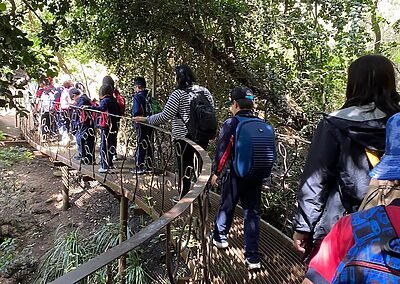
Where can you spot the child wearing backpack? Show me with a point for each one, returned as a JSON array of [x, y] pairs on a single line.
[[140, 107], [364, 247], [84, 124], [108, 80], [244, 156], [109, 125], [189, 103]]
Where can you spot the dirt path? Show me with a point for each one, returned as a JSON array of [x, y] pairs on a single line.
[[30, 208], [7, 124]]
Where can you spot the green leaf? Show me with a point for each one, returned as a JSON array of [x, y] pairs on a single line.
[[3, 7]]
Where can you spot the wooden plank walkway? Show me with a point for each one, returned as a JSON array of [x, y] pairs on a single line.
[[280, 264]]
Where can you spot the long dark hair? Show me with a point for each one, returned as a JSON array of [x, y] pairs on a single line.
[[371, 78], [105, 90], [108, 80], [184, 77]]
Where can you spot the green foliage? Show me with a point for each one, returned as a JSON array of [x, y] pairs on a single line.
[[12, 155], [66, 255], [2, 137], [71, 250], [20, 57], [7, 250]]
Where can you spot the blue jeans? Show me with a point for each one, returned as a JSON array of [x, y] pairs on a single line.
[[249, 194], [85, 136], [144, 154], [107, 147]]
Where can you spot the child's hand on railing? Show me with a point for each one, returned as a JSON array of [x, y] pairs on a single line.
[[139, 119]]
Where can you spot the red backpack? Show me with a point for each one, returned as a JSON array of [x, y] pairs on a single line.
[[121, 102]]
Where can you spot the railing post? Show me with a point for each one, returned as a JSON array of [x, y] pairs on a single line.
[[203, 200], [65, 188], [168, 255], [123, 217]]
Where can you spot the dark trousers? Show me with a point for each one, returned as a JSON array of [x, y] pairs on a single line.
[[63, 122], [45, 125], [85, 137], [185, 155], [249, 194], [107, 147], [144, 154]]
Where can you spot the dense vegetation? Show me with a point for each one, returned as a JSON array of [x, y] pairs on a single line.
[[292, 53]]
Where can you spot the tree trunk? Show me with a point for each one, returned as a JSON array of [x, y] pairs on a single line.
[[375, 27], [286, 108]]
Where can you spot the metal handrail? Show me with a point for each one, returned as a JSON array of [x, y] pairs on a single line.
[[146, 233]]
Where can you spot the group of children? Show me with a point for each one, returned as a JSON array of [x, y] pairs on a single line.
[[67, 110], [52, 109], [245, 152]]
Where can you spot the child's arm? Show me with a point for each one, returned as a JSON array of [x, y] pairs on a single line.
[[224, 146]]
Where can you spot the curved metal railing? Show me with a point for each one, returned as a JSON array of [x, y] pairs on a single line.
[[186, 223], [152, 191]]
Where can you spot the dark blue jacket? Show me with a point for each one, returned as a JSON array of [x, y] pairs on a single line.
[[139, 103], [84, 116], [225, 150], [108, 105], [79, 117]]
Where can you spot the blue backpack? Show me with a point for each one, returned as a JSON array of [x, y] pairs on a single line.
[[375, 256], [254, 148]]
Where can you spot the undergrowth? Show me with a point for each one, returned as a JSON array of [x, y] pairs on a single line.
[[71, 250], [7, 250], [10, 156]]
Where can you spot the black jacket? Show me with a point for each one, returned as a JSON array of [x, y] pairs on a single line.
[[335, 177]]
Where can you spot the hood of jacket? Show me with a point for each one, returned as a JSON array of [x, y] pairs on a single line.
[[365, 125]]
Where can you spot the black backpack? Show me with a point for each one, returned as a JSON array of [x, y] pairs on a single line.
[[202, 125]]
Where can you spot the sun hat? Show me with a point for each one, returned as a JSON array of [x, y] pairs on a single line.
[[388, 167]]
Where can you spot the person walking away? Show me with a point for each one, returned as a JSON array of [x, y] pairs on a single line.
[[180, 109], [64, 117], [44, 107], [108, 80], [364, 247], [144, 151], [108, 124], [335, 177], [85, 134], [241, 165]]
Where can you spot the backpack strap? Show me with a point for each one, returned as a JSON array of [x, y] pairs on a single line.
[[179, 115]]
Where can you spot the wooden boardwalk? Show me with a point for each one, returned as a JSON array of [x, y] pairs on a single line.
[[280, 264]]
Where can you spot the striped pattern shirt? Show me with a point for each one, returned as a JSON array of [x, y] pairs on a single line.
[[179, 103]]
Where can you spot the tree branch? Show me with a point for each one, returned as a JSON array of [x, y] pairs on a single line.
[[287, 109]]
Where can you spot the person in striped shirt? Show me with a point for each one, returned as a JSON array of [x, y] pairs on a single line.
[[177, 110]]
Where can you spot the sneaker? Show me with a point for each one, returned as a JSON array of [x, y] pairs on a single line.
[[175, 199], [222, 244], [252, 265], [101, 170], [137, 171], [77, 157], [65, 143]]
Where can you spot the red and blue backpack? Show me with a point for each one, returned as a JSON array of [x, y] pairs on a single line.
[[375, 256], [254, 145]]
